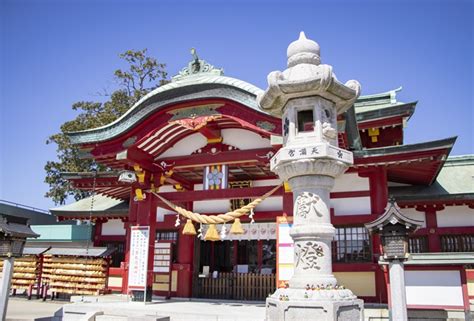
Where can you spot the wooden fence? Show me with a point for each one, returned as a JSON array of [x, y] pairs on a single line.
[[237, 286]]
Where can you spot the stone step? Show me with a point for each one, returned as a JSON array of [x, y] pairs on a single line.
[[110, 317]]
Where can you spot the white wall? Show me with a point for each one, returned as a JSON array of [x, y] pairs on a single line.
[[113, 227], [161, 212], [455, 216], [266, 182], [351, 182], [166, 189], [271, 204], [351, 206], [244, 139], [434, 288], [414, 214], [211, 206], [186, 146]]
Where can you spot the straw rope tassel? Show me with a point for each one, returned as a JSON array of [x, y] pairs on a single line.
[[221, 218], [189, 228], [211, 234], [236, 227]]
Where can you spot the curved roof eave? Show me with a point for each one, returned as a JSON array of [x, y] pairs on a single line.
[[185, 89]]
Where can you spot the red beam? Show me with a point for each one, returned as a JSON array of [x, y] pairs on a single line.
[[436, 153], [390, 121], [228, 157], [133, 156], [228, 193], [210, 133]]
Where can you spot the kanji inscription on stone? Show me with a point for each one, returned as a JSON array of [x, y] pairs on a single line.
[[308, 254]]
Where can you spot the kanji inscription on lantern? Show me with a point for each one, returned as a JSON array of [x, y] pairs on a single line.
[[308, 254], [312, 151], [306, 203]]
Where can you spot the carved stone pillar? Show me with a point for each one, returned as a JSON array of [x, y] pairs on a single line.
[[308, 97]]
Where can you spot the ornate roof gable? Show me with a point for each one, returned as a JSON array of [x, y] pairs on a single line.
[[196, 67]]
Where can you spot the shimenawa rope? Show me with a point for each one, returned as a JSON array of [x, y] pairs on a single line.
[[221, 218]]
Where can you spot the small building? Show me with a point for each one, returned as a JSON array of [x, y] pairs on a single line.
[[202, 142]]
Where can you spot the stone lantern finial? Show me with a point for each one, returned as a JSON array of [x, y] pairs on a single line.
[[303, 50]]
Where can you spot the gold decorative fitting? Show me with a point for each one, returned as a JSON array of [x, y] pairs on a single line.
[[373, 134], [287, 187], [140, 173], [141, 177], [237, 227], [162, 180], [211, 234], [214, 140], [189, 228], [139, 194]]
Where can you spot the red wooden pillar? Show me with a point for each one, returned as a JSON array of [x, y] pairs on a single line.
[[378, 201], [185, 264], [465, 290], [434, 242], [185, 259], [126, 262], [378, 190], [288, 203]]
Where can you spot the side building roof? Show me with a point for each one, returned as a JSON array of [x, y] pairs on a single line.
[[35, 216], [104, 206], [455, 183]]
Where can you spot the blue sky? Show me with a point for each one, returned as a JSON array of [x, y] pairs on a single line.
[[54, 53]]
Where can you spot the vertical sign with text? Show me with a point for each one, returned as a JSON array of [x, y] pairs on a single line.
[[285, 250], [139, 243]]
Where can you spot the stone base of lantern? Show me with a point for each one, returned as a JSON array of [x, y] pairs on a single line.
[[321, 305]]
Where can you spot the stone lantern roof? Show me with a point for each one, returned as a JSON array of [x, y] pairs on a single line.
[[306, 76]]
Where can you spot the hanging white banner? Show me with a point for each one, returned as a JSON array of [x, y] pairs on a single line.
[[137, 271]]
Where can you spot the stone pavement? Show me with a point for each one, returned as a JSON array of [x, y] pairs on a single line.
[[179, 310], [116, 307], [20, 309]]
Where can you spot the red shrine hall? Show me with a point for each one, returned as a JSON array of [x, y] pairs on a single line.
[[202, 143]]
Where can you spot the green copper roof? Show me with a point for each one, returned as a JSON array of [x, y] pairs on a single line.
[[192, 87], [386, 111], [377, 101], [455, 181], [103, 206], [382, 151]]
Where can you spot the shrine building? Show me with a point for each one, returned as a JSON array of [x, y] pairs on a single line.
[[201, 142]]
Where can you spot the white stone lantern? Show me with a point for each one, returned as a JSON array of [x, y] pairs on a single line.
[[308, 97]]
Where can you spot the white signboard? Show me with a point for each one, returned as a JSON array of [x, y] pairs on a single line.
[[255, 231], [137, 271], [434, 288], [285, 251], [162, 263]]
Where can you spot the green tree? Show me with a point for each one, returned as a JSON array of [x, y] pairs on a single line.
[[143, 74]]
